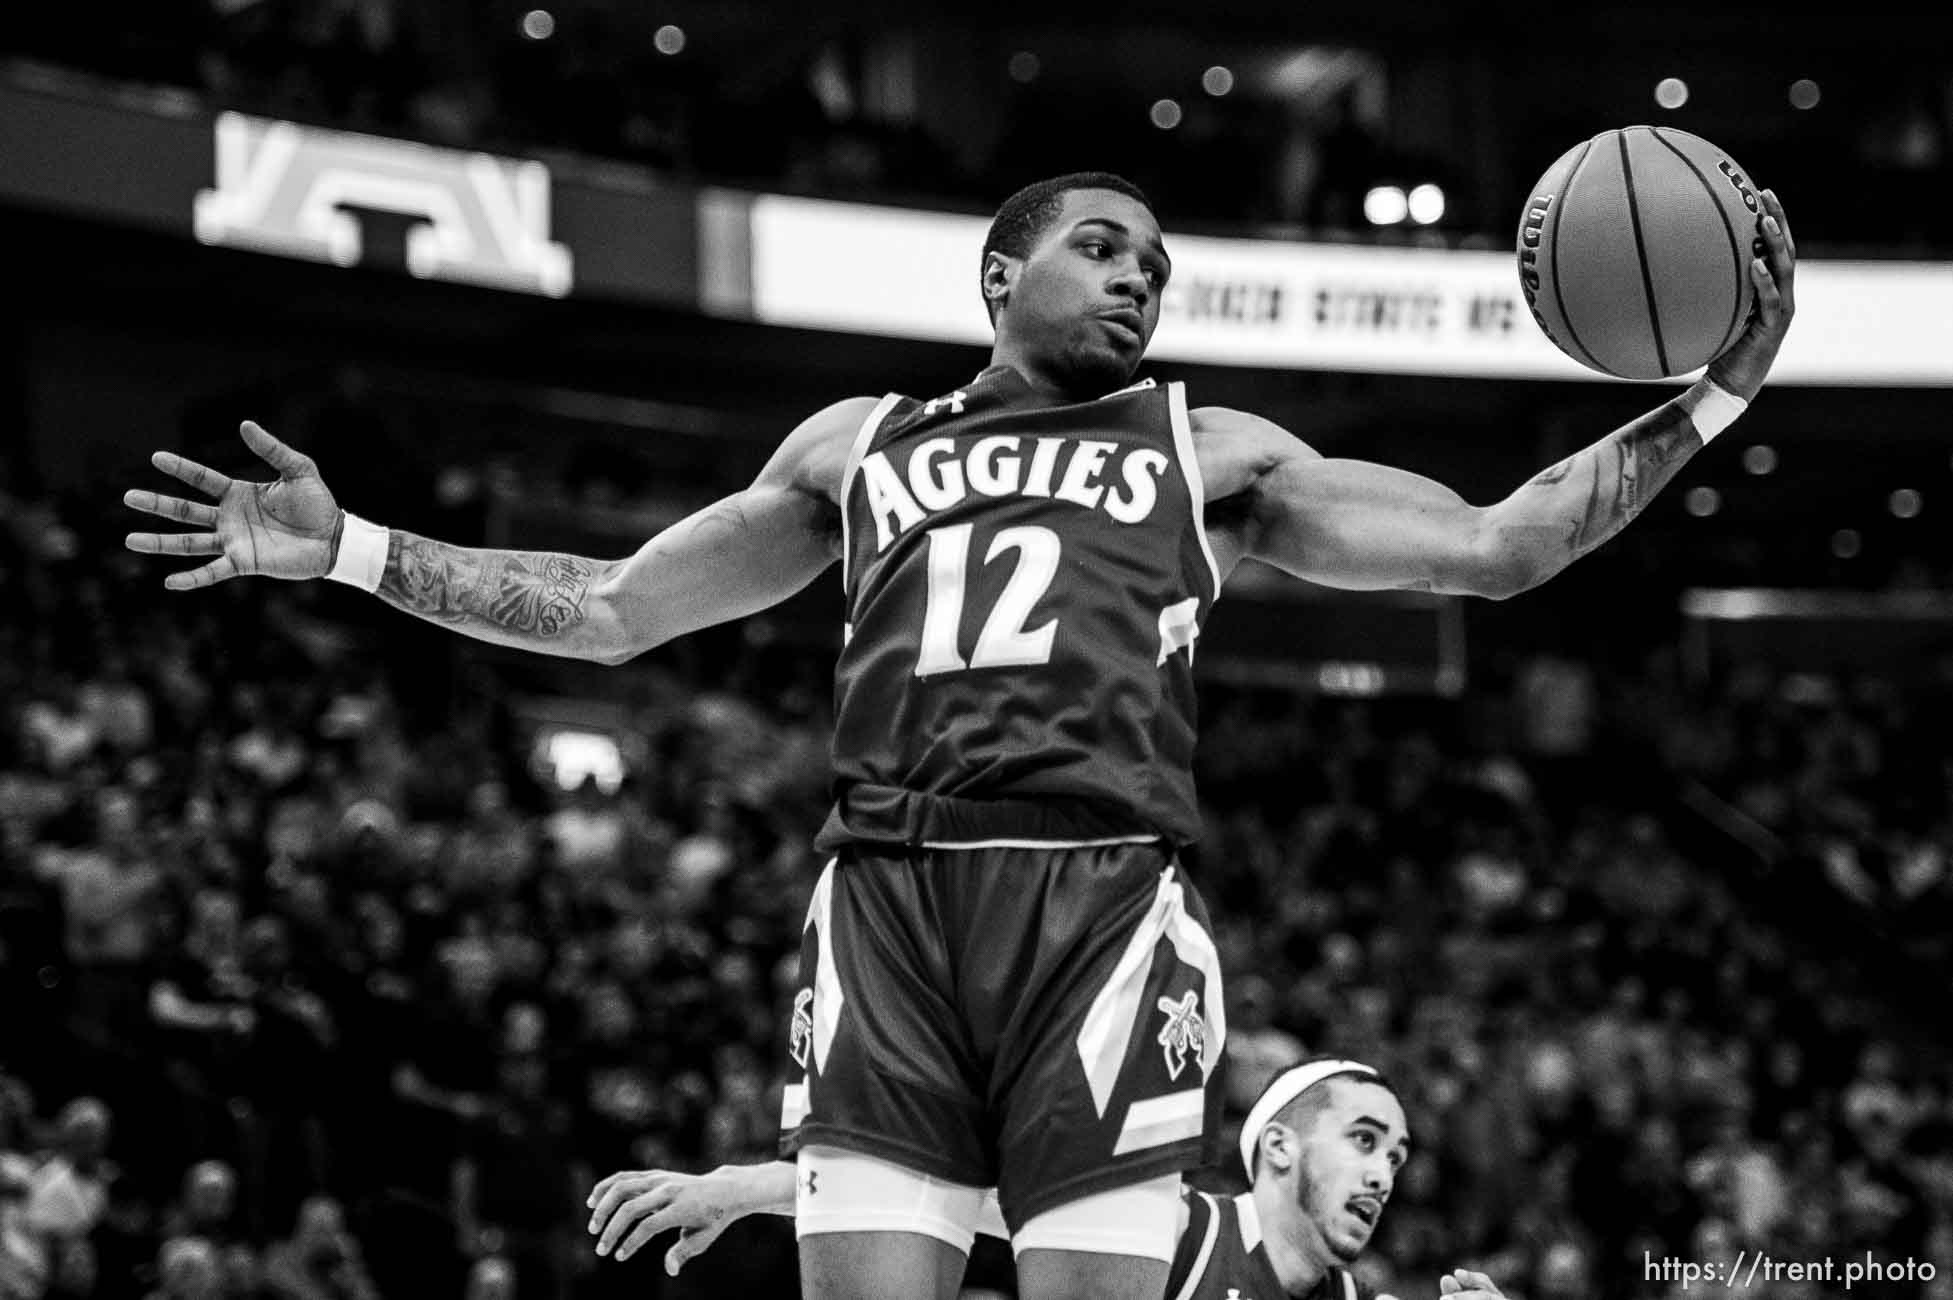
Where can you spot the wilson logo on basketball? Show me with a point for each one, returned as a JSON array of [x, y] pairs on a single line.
[[1735, 178], [1530, 233]]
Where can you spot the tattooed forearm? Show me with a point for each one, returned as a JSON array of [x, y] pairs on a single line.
[[1566, 511], [507, 596]]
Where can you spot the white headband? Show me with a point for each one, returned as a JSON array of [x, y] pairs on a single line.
[[1285, 1089]]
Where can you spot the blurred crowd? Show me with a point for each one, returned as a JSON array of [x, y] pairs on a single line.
[[573, 77], [905, 107], [316, 984]]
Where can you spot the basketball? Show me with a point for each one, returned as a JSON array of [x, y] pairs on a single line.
[[1634, 252]]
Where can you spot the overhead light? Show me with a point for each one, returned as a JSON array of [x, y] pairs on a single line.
[[1165, 113], [1217, 81], [1426, 204], [539, 24], [1804, 93], [1385, 205], [669, 39], [1671, 92]]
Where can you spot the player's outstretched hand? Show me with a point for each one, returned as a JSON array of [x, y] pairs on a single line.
[[280, 529], [629, 1208], [1742, 366], [1463, 1284]]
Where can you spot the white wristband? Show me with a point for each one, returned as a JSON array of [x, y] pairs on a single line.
[[1715, 408], [362, 553]]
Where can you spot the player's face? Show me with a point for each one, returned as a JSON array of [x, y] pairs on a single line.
[[1348, 1165], [1087, 298]]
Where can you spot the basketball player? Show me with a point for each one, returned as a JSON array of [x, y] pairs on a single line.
[[1010, 982], [1322, 1147]]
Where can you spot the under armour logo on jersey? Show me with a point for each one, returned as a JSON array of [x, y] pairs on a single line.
[[1179, 625], [810, 1181], [1185, 1032], [953, 403], [801, 1030]]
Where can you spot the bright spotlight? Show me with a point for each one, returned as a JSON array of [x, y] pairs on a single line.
[[1385, 205]]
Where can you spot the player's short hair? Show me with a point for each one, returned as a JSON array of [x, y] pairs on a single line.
[[1026, 215], [1300, 1112]]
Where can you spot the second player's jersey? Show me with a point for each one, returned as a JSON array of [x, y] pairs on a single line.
[[1221, 1257], [1024, 586]]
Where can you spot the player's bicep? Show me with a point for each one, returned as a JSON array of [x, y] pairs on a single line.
[[745, 552], [1365, 527], [735, 557]]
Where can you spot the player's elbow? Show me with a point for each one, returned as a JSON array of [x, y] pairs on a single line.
[[620, 624], [622, 645], [1497, 567]]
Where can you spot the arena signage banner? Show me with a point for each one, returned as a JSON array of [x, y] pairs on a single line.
[[295, 190], [1273, 305]]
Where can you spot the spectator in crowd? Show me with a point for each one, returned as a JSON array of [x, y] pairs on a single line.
[[320, 1260]]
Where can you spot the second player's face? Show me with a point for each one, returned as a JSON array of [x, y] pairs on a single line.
[[1090, 291], [1348, 1166]]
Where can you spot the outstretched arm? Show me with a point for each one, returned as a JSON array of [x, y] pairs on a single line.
[[740, 555], [1351, 524]]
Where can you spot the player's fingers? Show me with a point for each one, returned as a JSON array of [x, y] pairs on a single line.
[[691, 1244], [175, 543], [201, 477], [1783, 249], [631, 1213], [1769, 297], [218, 570], [288, 463], [605, 1197], [1448, 1285], [1773, 206], [1475, 1281], [651, 1226], [188, 512], [619, 1188]]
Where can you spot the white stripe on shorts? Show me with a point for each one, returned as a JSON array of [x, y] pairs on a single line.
[[1156, 1121]]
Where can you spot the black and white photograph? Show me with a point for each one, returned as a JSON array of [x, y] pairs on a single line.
[[721, 649]]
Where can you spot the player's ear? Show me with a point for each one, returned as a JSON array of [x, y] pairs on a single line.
[[1278, 1147], [999, 272]]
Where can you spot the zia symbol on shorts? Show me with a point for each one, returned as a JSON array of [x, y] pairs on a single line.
[[801, 1032], [1185, 1032]]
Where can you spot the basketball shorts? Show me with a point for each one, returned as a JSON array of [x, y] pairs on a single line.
[[1047, 1021]]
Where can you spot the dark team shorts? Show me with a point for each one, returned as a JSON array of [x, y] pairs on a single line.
[[1047, 1021]]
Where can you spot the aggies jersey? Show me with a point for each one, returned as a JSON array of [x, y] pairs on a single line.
[[1024, 586], [1221, 1257]]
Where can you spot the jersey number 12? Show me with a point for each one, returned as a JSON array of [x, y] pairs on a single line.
[[1004, 641]]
